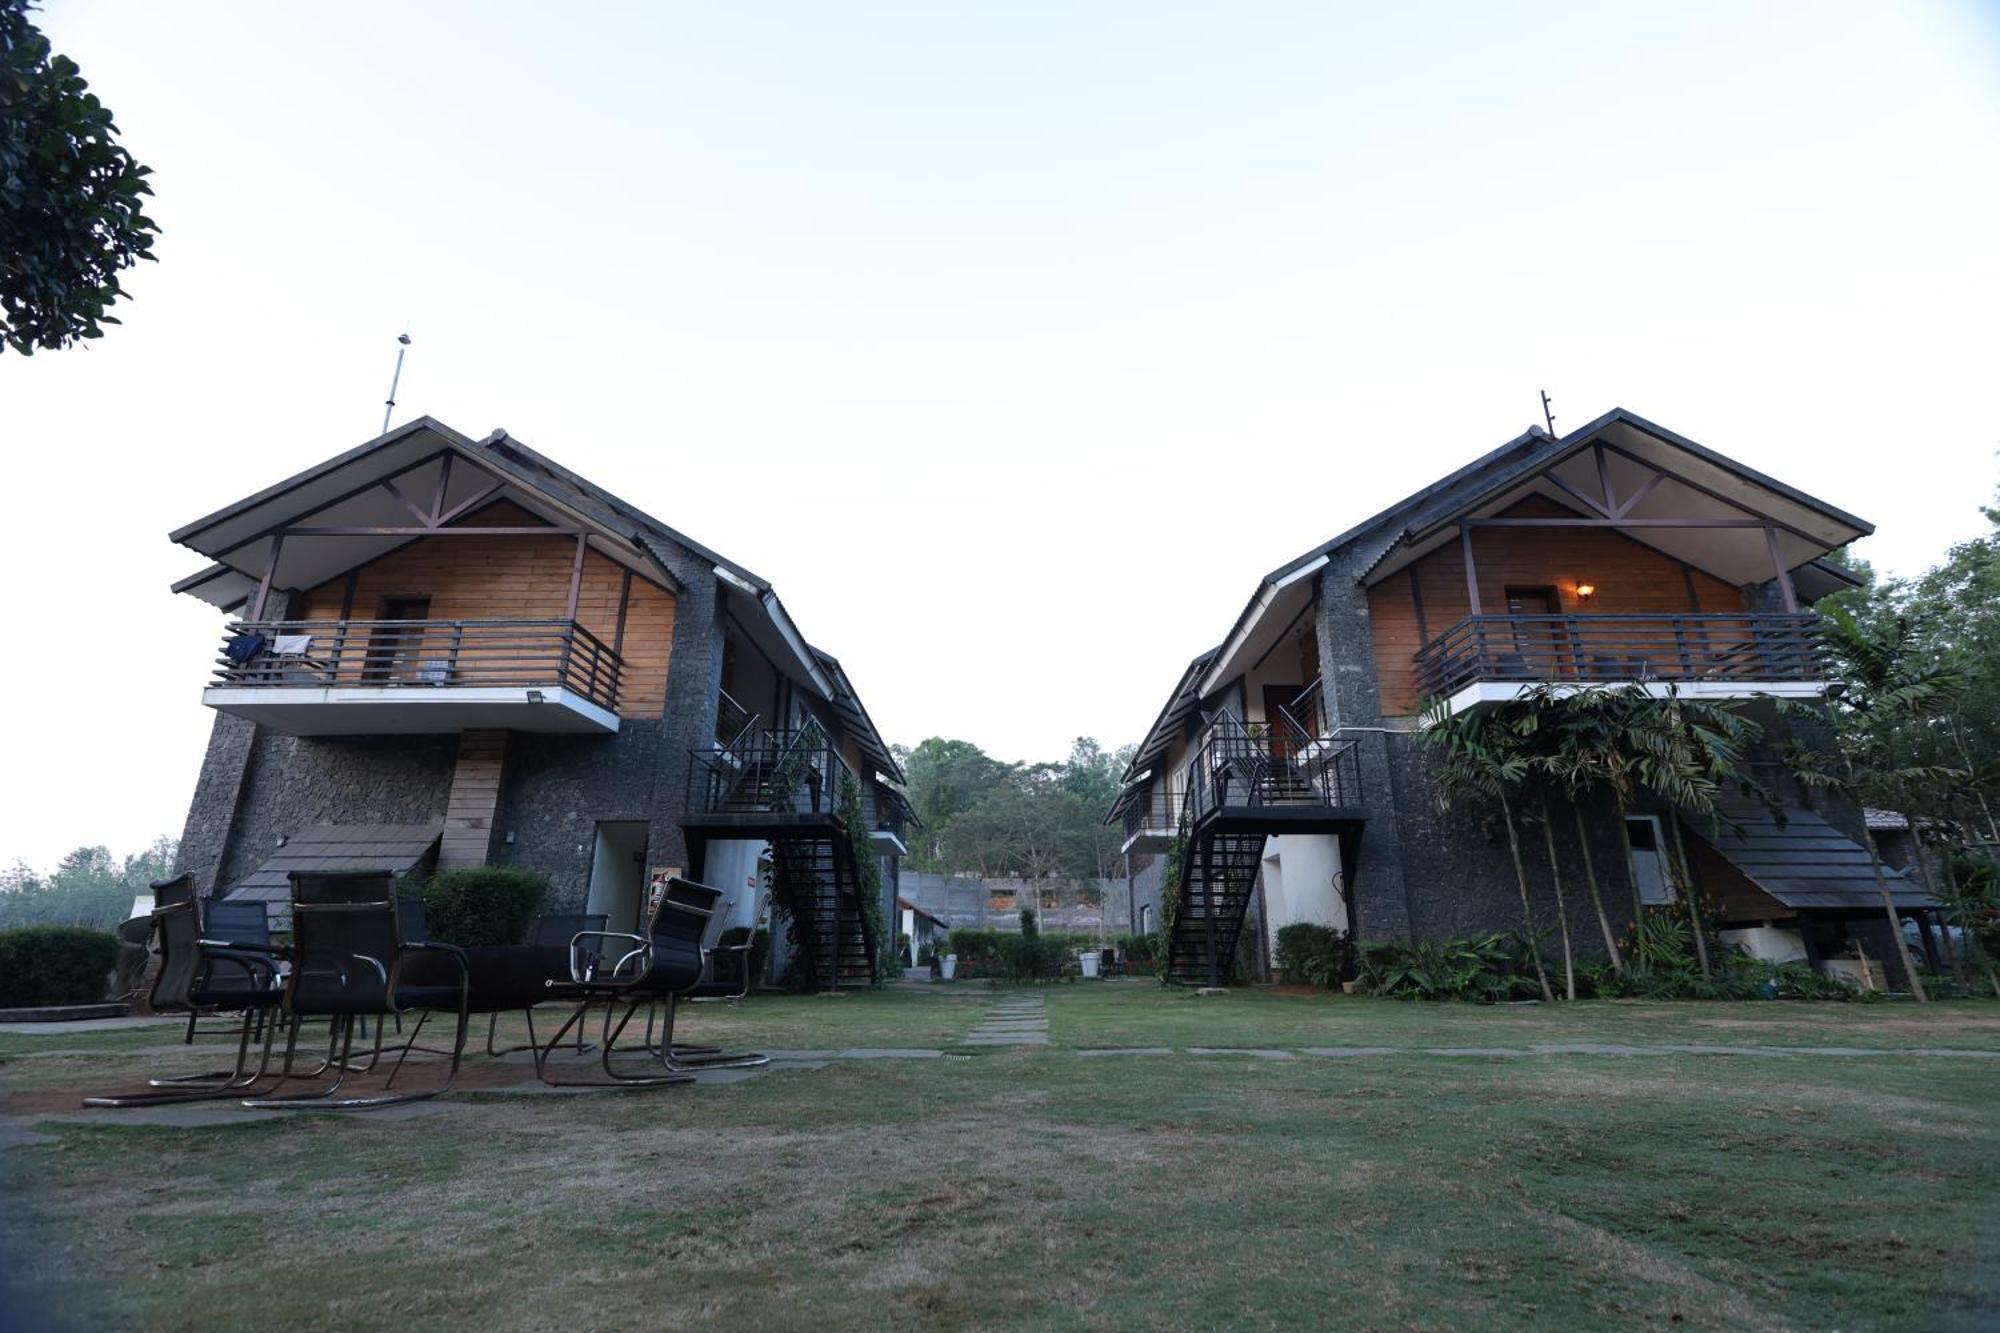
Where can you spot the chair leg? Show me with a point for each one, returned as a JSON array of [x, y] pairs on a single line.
[[342, 1042], [705, 1057], [615, 1077], [239, 1081]]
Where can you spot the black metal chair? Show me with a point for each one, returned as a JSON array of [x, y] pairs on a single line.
[[728, 986], [553, 930], [349, 957], [661, 965], [202, 975]]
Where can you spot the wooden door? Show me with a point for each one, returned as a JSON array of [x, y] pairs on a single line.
[[392, 651], [1277, 698], [1537, 644]]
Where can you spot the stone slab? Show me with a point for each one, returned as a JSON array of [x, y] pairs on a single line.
[[36, 1015], [889, 1053], [20, 1136], [976, 1040], [1255, 1053], [1127, 1050]]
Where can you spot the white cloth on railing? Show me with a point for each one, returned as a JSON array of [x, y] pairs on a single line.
[[292, 645]]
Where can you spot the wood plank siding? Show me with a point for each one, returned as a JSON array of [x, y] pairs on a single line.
[[518, 578], [1631, 578], [474, 799]]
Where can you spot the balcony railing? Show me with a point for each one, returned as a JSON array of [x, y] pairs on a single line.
[[1157, 811], [418, 654], [772, 772], [1607, 649], [1255, 765]]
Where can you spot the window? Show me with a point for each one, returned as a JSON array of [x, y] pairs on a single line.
[[1649, 859], [1145, 918]]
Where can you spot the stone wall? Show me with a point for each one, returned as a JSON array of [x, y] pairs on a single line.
[[1060, 904]]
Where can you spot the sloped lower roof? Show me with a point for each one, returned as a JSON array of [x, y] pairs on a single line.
[[395, 848], [1806, 862]]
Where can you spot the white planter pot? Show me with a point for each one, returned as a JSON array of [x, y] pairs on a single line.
[[1089, 960], [949, 966]]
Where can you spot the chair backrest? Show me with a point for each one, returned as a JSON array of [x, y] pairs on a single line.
[[680, 923], [177, 931], [168, 892], [237, 921], [412, 919], [557, 929], [346, 942]]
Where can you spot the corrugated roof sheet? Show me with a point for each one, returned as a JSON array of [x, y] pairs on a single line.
[[1806, 862]]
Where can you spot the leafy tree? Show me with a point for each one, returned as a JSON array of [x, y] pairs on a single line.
[[88, 887], [946, 778], [71, 198]]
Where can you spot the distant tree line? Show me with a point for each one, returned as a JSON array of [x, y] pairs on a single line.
[[986, 817], [89, 887]]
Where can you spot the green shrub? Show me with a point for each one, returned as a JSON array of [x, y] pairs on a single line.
[[1313, 955], [481, 905], [1481, 968], [50, 965]]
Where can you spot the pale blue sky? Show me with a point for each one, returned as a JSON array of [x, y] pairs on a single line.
[[1012, 342]]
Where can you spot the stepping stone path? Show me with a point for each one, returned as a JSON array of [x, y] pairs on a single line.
[[1018, 1020]]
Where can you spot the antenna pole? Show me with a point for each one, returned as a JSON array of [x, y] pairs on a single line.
[[1547, 415], [402, 346]]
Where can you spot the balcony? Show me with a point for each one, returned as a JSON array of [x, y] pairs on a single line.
[[766, 784], [1489, 659], [1255, 778], [408, 677], [1152, 818]]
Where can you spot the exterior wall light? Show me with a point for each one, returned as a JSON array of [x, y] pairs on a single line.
[[534, 696], [1585, 591]]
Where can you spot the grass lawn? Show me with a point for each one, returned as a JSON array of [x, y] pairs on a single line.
[[1039, 1188]]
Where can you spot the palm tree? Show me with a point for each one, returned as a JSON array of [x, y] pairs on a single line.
[[1686, 752], [1579, 755], [1480, 754]]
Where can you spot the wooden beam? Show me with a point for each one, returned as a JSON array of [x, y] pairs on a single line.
[[264, 584], [430, 532], [347, 593], [1645, 489], [624, 603], [1471, 574], [576, 576], [1616, 523], [1581, 498], [1790, 594], [1714, 495], [437, 497], [471, 503], [390, 486], [1417, 601], [1604, 478]]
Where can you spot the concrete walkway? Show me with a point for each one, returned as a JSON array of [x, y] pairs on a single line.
[[1018, 1020]]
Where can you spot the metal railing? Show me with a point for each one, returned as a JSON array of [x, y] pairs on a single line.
[[1255, 765], [1156, 810], [546, 654], [771, 772], [1605, 649], [733, 722]]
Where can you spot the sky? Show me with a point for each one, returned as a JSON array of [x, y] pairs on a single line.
[[1012, 343]]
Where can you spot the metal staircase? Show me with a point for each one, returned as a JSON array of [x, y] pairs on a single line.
[[783, 788], [1248, 782]]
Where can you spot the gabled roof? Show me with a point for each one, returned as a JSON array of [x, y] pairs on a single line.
[[1160, 736], [1422, 521], [346, 490]]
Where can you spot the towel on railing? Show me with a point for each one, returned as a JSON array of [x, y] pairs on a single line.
[[292, 645]]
